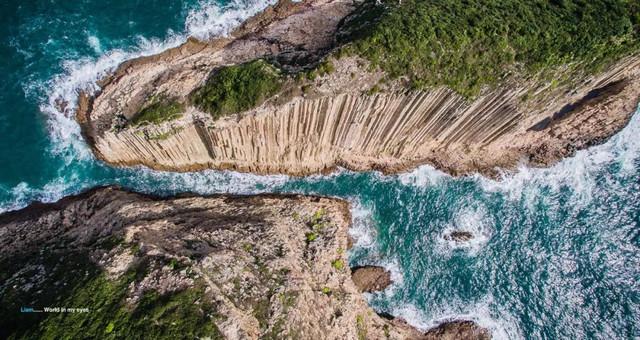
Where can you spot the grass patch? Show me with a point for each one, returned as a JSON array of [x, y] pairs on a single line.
[[337, 264], [160, 109], [184, 314], [237, 88], [73, 281], [465, 44], [311, 236], [361, 328]]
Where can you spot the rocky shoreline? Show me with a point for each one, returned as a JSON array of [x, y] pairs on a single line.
[[114, 263], [337, 120], [261, 266]]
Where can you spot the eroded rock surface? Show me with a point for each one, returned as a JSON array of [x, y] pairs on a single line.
[[231, 266], [371, 278]]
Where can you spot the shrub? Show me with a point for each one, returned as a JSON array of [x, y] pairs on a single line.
[[237, 88], [160, 109], [465, 44], [337, 264], [311, 236], [184, 314]]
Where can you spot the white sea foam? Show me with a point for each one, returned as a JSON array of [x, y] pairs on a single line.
[[204, 182], [423, 176], [208, 20], [500, 324], [94, 43], [213, 20], [577, 173], [83, 74], [23, 194], [362, 228], [474, 220], [150, 181]]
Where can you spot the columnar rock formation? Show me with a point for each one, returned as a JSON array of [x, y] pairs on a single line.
[[337, 120]]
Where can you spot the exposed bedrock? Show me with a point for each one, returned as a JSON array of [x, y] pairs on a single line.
[[457, 330], [336, 121], [221, 266], [371, 278]]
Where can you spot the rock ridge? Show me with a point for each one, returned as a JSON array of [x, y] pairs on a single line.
[[337, 120], [232, 266]]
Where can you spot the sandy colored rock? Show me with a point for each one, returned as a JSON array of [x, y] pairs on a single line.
[[336, 121], [371, 278], [261, 273]]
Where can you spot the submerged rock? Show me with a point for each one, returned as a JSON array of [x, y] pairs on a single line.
[[459, 236], [371, 278]]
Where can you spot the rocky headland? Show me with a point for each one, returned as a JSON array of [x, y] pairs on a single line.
[[130, 265], [334, 108]]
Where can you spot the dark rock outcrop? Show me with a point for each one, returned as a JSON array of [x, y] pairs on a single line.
[[457, 330], [459, 236]]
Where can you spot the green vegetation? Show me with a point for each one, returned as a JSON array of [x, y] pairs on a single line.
[[316, 223], [73, 268], [106, 314], [174, 264], [135, 249], [160, 109], [311, 236], [361, 328], [183, 314], [465, 44], [337, 264], [317, 216], [288, 299], [237, 88], [324, 68], [159, 136], [326, 290]]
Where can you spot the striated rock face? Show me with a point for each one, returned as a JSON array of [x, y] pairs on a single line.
[[220, 266], [371, 278], [336, 121]]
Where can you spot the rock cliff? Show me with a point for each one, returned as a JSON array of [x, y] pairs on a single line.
[[350, 117], [130, 265]]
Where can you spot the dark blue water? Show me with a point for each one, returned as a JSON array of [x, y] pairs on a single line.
[[555, 254]]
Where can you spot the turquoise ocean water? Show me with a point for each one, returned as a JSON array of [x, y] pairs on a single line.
[[556, 253]]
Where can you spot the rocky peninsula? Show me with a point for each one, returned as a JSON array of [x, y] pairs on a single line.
[[294, 91], [110, 263]]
